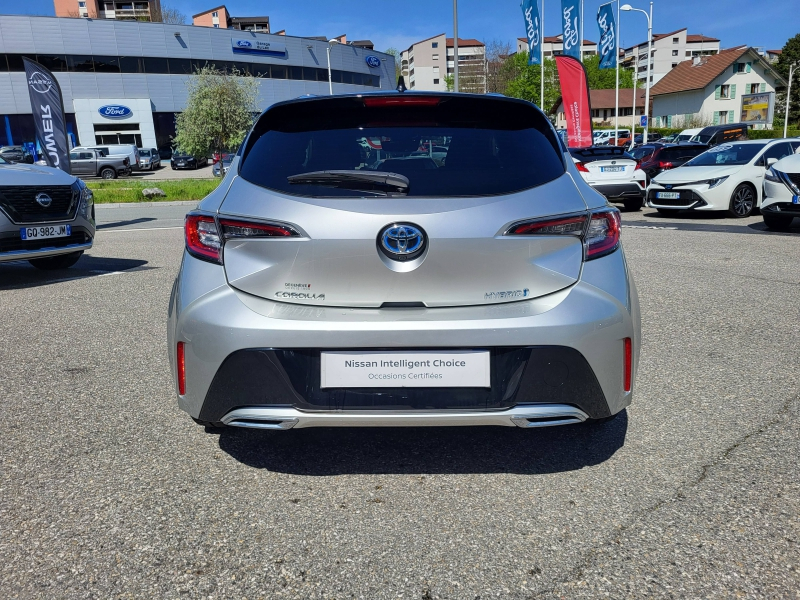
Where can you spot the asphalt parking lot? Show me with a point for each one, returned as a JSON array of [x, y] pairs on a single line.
[[108, 490]]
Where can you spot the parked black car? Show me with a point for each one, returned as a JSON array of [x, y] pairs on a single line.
[[716, 134], [655, 158], [16, 154], [181, 160]]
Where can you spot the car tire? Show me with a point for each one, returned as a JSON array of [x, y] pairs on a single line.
[[633, 205], [778, 222], [667, 212], [743, 201], [108, 173], [55, 263]]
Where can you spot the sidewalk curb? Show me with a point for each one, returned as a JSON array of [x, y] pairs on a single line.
[[148, 204]]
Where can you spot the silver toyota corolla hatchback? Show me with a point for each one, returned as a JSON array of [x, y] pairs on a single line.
[[403, 259]]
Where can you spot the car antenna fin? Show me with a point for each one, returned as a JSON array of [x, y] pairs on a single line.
[[401, 84]]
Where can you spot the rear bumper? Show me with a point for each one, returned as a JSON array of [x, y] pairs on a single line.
[[781, 209], [244, 352], [619, 190]]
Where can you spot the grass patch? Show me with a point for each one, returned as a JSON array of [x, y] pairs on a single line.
[[125, 190]]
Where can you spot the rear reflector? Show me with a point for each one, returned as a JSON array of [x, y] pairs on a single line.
[[602, 236], [181, 369], [573, 225], [627, 365], [401, 100], [202, 238]]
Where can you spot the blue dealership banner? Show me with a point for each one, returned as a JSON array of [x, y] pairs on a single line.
[[530, 9], [607, 47], [572, 27]]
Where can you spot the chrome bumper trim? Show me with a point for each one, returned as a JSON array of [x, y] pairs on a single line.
[[525, 416], [42, 252]]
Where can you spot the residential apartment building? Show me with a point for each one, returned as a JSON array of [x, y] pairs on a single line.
[[553, 45], [220, 18], [668, 51], [603, 104], [708, 90], [133, 10], [426, 64]]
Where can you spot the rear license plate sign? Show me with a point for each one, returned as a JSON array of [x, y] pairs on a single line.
[[380, 369], [611, 169], [43, 232], [668, 195]]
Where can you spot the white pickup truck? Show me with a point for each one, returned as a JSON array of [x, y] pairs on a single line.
[[46, 216]]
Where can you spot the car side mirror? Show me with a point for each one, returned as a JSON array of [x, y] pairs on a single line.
[[770, 162]]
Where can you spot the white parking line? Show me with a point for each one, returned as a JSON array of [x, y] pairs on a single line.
[[647, 227], [117, 230]]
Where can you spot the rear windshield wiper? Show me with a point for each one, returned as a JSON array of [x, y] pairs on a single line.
[[377, 182]]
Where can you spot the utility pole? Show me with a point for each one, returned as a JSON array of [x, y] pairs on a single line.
[[455, 46], [788, 100], [616, 87], [541, 51]]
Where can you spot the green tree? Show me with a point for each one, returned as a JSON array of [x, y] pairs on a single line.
[[219, 111], [605, 79], [790, 54], [396, 53]]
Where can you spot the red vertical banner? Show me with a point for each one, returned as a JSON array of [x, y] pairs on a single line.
[[575, 97]]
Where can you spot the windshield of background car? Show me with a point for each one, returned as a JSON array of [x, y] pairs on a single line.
[[726, 154], [144, 153], [444, 145]]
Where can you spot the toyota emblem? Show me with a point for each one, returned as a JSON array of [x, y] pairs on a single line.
[[402, 241]]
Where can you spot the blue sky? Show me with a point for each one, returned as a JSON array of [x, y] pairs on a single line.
[[398, 24]]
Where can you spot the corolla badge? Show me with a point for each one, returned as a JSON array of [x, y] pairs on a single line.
[[43, 200], [115, 111], [244, 44], [40, 82], [402, 241], [373, 61]]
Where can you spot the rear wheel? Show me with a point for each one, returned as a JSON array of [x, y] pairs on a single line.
[[778, 222], [108, 173], [633, 204], [54, 263], [743, 201]]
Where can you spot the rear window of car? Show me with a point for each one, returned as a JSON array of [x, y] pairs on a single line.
[[587, 155], [642, 152], [444, 145]]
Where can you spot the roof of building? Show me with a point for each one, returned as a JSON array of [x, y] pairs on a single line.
[[774, 51], [689, 75], [363, 44], [660, 36], [465, 42], [607, 98], [696, 38], [205, 12]]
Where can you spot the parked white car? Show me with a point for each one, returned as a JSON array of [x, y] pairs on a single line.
[[727, 177], [781, 202], [604, 136], [612, 172]]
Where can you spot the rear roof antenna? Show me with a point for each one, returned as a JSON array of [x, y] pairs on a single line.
[[401, 84]]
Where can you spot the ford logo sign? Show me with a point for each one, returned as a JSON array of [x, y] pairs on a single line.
[[373, 61], [115, 111], [402, 241], [244, 44]]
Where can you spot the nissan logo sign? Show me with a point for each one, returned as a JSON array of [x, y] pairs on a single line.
[[373, 61], [115, 111], [40, 82]]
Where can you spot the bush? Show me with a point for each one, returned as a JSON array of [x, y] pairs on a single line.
[[768, 134]]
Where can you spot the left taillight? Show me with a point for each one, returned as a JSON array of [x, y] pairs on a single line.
[[202, 238], [181, 368]]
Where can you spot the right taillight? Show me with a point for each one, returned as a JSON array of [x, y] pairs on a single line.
[[581, 167], [627, 365], [599, 230], [602, 235]]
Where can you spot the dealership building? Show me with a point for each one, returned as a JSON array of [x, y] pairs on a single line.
[[124, 81]]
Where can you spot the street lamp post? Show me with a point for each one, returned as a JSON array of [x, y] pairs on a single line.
[[788, 99], [328, 49], [628, 7]]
